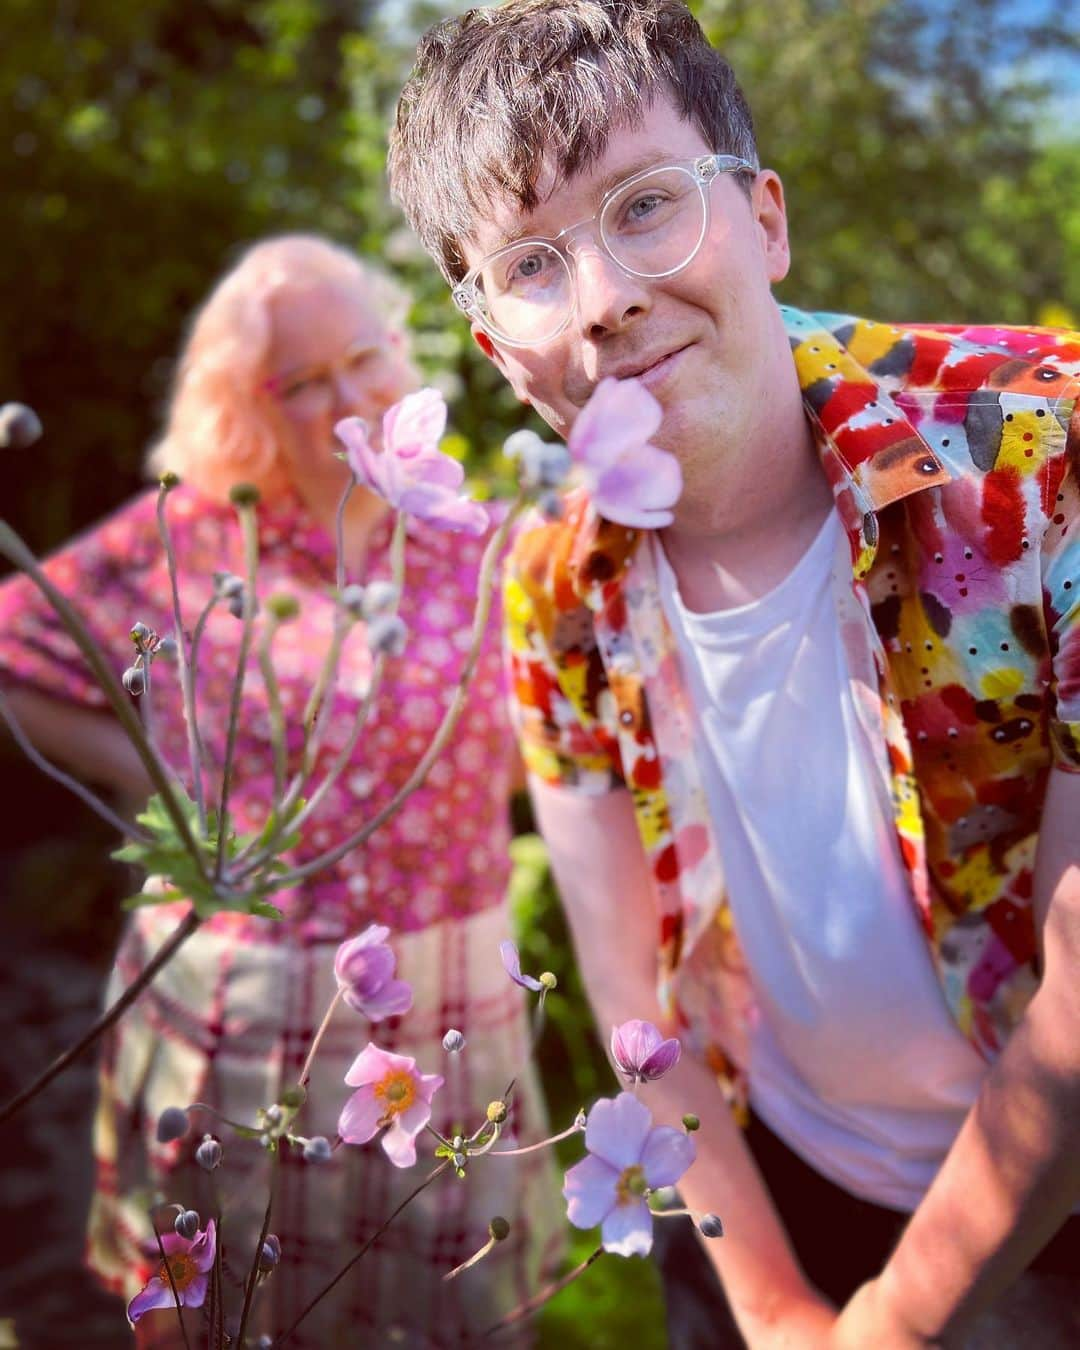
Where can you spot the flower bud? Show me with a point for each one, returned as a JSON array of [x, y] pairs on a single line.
[[380, 597], [547, 980], [227, 584], [459, 1160], [208, 1154], [172, 1124], [453, 1042], [550, 505], [265, 1342], [711, 1226], [235, 605], [134, 680], [283, 607], [318, 1150], [270, 1252], [581, 1119], [352, 597], [691, 1123], [169, 480], [20, 426], [387, 633], [139, 634], [243, 494], [499, 1228], [266, 1139], [167, 648], [294, 1097], [497, 1112], [274, 1115], [187, 1223]]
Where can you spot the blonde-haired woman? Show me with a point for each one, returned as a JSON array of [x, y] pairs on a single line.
[[298, 335]]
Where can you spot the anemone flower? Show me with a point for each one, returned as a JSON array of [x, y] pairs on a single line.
[[189, 1262], [391, 1094], [641, 1052], [364, 970], [511, 960], [410, 471], [627, 1158], [629, 480]]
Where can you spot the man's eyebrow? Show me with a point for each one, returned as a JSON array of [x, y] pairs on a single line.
[[647, 159]]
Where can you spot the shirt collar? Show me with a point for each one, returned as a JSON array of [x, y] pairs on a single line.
[[869, 448]]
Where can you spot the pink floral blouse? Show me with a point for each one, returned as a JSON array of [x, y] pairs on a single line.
[[445, 854]]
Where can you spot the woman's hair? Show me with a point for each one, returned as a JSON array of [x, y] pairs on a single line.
[[497, 89], [220, 429]]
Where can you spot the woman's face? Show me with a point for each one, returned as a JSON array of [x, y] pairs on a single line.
[[331, 356]]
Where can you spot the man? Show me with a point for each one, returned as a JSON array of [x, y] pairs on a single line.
[[807, 760]]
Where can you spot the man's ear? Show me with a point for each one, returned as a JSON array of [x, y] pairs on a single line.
[[770, 213], [496, 357]]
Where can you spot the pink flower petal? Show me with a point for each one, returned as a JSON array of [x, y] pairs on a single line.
[[393, 999], [627, 1230], [620, 413], [413, 1119], [666, 1156], [418, 419], [360, 1116], [155, 1294], [194, 1296], [617, 1128], [399, 1146], [202, 1249], [589, 1188], [371, 1064]]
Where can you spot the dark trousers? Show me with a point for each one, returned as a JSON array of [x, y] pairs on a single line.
[[841, 1242]]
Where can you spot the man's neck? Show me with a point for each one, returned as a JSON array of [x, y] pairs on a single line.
[[724, 556]]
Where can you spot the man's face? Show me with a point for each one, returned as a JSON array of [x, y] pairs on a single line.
[[704, 341]]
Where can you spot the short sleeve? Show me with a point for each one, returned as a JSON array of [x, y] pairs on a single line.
[[1061, 591], [555, 676], [110, 576]]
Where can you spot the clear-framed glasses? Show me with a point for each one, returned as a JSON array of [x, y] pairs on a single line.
[[651, 225], [312, 389]]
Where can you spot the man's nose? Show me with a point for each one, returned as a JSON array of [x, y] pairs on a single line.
[[349, 394], [608, 298]]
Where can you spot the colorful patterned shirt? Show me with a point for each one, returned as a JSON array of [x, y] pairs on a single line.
[[954, 458]]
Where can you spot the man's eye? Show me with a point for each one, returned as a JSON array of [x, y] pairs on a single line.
[[527, 268], [360, 359], [298, 387], [640, 208]]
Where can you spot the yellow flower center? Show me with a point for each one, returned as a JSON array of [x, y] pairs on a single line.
[[631, 1185], [396, 1092], [181, 1267]]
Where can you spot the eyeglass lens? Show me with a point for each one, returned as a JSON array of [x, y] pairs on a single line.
[[651, 226]]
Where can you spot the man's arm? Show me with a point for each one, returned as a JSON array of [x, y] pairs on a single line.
[[602, 875], [1013, 1173]]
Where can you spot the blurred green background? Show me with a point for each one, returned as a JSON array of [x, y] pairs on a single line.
[[931, 157]]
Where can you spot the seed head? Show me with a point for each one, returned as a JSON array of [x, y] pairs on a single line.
[[497, 1112], [243, 494], [499, 1228]]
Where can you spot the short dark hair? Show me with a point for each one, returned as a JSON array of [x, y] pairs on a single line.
[[494, 90]]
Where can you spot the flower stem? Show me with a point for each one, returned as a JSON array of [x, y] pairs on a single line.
[[172, 1283], [253, 1273], [549, 1291], [127, 828], [13, 548], [187, 687], [164, 954], [305, 1072], [251, 560], [274, 709], [446, 727], [431, 1176], [532, 1148]]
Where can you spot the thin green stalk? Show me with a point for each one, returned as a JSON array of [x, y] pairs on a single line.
[[164, 954], [253, 1273], [172, 1283], [248, 525], [435, 1172], [446, 727], [126, 828], [532, 1148], [549, 1291], [274, 708], [187, 684], [13, 548], [305, 1072]]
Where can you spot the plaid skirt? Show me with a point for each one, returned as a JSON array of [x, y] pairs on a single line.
[[229, 1023]]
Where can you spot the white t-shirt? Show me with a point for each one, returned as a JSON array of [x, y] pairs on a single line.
[[855, 1061]]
